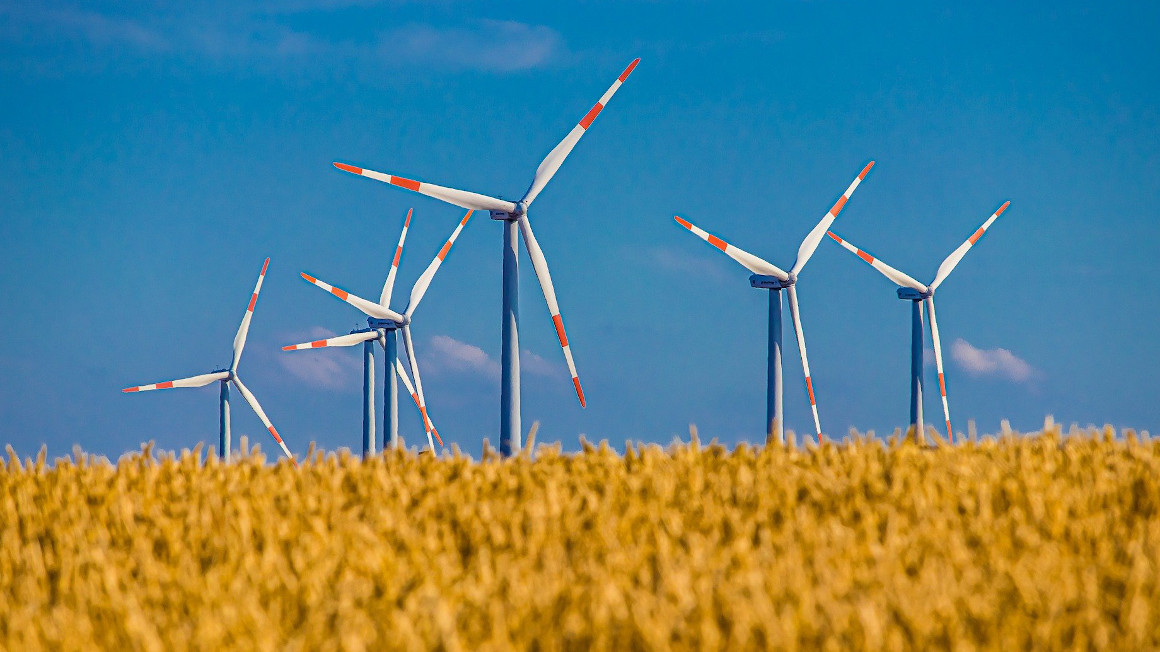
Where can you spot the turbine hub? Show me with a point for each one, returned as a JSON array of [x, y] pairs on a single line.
[[387, 324]]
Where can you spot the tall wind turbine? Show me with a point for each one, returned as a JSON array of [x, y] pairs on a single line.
[[514, 215], [768, 276], [382, 324], [917, 293], [225, 377]]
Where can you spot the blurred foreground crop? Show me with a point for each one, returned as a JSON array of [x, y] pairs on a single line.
[[1044, 541]]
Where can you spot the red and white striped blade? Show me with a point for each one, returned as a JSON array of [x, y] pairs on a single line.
[[421, 285], [368, 308], [938, 363], [814, 238], [192, 381], [341, 340], [889, 272], [747, 260], [555, 158], [410, 348], [944, 270], [462, 198], [801, 342], [540, 265], [244, 328], [402, 374], [385, 297], [249, 396]]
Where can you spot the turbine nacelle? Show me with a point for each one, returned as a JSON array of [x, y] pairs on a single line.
[[911, 294], [388, 324], [505, 216], [766, 282]]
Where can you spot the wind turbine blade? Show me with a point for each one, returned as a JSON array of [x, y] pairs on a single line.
[[385, 297], [244, 328], [889, 272], [402, 373], [801, 341], [421, 285], [249, 396], [341, 340], [944, 270], [747, 260], [540, 264], [407, 344], [368, 308], [192, 381], [555, 158], [938, 363], [814, 238], [461, 198]]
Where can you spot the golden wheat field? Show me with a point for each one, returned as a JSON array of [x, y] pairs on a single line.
[[1047, 541]]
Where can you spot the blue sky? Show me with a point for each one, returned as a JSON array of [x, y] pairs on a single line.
[[152, 154]]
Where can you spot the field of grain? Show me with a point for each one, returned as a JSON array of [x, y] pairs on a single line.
[[1049, 541]]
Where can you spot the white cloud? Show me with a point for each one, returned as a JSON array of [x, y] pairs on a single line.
[[495, 45], [991, 362], [332, 369], [231, 34], [448, 355], [530, 363], [687, 263]]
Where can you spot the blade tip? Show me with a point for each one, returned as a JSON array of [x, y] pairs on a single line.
[[834, 236], [1003, 207], [683, 222], [308, 278], [866, 170], [628, 71], [265, 265], [288, 348], [347, 168]]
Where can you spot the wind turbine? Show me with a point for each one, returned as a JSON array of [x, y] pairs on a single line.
[[382, 323], [514, 215], [225, 377], [917, 293], [768, 276]]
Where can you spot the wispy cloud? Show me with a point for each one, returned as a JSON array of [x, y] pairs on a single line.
[[495, 45], [991, 362], [241, 35], [536, 365], [331, 369], [448, 355], [685, 262]]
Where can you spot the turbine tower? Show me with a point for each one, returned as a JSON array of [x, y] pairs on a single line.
[[514, 215], [917, 293], [768, 276], [382, 324], [225, 377]]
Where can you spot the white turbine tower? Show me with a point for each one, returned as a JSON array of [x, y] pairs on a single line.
[[382, 323], [225, 377], [917, 293], [514, 215], [768, 276]]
